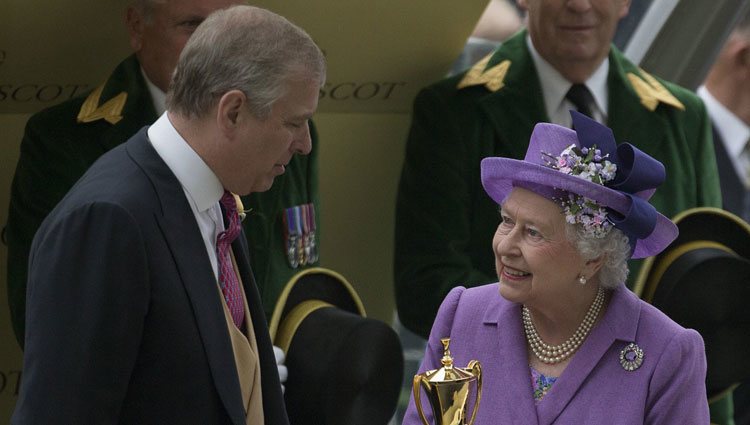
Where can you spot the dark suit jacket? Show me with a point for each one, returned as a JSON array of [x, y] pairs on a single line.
[[124, 321], [445, 220], [733, 192], [56, 151]]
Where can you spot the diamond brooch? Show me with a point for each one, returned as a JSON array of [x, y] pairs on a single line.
[[631, 357]]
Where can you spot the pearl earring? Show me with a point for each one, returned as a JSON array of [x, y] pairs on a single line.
[[582, 279]]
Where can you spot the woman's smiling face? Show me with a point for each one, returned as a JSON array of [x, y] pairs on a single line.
[[536, 263]]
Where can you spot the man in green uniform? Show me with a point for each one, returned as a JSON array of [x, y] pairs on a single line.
[[444, 221], [61, 142]]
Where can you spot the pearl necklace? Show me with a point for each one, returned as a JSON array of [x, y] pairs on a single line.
[[553, 354]]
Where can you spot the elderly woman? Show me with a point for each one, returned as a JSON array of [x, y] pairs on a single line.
[[565, 342]]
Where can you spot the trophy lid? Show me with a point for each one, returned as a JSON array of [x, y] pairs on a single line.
[[448, 373]]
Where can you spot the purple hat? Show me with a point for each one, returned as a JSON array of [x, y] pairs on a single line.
[[598, 183]]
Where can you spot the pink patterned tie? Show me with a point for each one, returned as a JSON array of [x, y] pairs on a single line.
[[230, 286]]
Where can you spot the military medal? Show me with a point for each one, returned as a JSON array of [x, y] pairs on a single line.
[[292, 235], [311, 248], [305, 231], [299, 235], [301, 259]]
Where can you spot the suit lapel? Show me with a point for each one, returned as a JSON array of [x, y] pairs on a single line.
[[514, 109], [732, 188], [629, 120], [619, 323], [510, 125], [183, 237], [514, 399], [139, 107]]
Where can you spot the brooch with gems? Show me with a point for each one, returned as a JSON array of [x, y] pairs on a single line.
[[631, 357]]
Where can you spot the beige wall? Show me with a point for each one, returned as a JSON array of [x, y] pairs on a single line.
[[11, 129], [360, 162], [379, 52]]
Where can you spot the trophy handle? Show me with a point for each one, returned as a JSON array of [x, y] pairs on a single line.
[[417, 398], [476, 370]]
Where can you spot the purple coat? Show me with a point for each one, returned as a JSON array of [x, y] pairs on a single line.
[[668, 388]]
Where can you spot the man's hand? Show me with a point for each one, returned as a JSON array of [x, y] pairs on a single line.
[[283, 372]]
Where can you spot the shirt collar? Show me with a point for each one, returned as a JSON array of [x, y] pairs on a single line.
[[196, 178], [555, 86], [734, 132], [157, 96]]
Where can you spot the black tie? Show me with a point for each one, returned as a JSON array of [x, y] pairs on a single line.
[[582, 98]]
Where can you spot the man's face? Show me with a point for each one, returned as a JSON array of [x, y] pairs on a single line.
[[573, 30], [262, 148], [158, 39]]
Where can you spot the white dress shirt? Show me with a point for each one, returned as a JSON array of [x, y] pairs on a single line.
[[733, 131], [555, 87], [201, 186], [157, 96]]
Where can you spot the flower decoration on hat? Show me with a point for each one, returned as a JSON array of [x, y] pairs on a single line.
[[588, 164], [636, 177], [600, 184], [629, 172]]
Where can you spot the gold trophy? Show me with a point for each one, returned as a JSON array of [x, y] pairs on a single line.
[[448, 390]]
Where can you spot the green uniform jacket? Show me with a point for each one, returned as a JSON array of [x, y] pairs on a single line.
[[444, 219], [56, 150]]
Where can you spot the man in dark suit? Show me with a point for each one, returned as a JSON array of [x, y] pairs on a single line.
[[726, 93], [61, 142], [137, 310]]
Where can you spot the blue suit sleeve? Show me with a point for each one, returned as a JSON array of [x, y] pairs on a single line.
[[88, 297]]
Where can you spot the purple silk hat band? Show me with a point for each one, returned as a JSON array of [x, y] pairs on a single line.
[[625, 197]]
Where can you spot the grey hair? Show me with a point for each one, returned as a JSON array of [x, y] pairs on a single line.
[[242, 48], [614, 247]]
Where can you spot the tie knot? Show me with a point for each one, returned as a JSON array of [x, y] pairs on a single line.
[[580, 96], [229, 204], [228, 279], [232, 217]]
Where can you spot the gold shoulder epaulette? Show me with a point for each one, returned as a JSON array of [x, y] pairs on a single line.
[[110, 111], [652, 91], [491, 78]]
